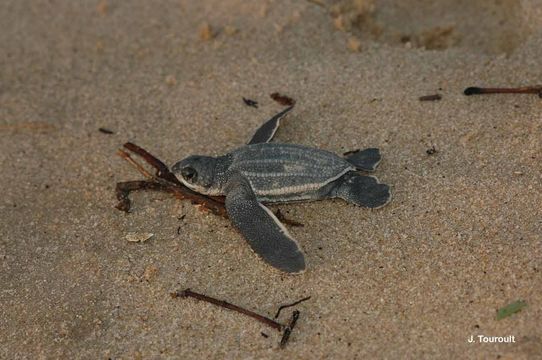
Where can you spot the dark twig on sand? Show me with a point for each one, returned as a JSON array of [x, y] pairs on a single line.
[[289, 329], [124, 189], [537, 89], [263, 319], [162, 171], [290, 305], [282, 99], [188, 293], [250, 102], [434, 97], [126, 156], [105, 131]]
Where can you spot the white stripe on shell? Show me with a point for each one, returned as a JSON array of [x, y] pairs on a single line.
[[298, 188]]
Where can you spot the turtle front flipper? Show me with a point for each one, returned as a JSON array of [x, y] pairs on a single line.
[[266, 132], [261, 228]]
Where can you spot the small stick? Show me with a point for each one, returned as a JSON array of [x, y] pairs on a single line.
[[124, 189], [123, 154], [105, 131], [227, 305], [250, 102], [434, 97], [162, 169], [282, 99], [290, 305], [537, 89], [289, 328]]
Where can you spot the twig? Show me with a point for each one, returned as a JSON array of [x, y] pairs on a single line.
[[290, 305], [282, 99], [263, 319], [161, 168], [537, 89], [123, 154], [227, 305], [434, 97], [289, 329], [105, 131], [250, 102], [124, 189]]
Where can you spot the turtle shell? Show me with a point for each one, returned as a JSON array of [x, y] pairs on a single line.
[[287, 171]]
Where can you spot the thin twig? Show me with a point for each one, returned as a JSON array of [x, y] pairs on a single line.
[[537, 89], [282, 99], [290, 305], [123, 154], [227, 305], [434, 97], [106, 131], [289, 329], [250, 102], [161, 168], [124, 189]]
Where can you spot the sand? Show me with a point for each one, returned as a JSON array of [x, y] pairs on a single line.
[[416, 279]]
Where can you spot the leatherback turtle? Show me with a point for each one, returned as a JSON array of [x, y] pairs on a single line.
[[264, 172]]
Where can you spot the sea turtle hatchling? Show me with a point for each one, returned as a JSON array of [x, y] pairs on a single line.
[[264, 172]]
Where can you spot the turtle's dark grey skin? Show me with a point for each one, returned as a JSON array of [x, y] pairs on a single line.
[[263, 172]]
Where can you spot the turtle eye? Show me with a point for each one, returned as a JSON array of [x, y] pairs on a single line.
[[189, 174]]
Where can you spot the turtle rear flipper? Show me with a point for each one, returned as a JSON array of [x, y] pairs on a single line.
[[366, 160], [362, 190], [266, 132], [265, 234]]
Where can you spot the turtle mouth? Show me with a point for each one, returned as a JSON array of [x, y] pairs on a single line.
[[199, 188], [190, 185], [176, 168]]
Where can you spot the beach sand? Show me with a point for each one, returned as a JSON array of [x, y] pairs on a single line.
[[415, 279]]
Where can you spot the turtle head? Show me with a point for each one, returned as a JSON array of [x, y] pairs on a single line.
[[196, 172]]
